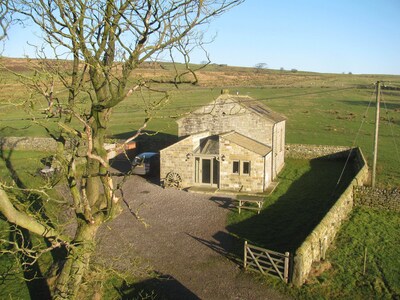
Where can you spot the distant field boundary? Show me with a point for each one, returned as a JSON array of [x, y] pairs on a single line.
[[300, 151], [314, 247], [304, 151], [40, 144]]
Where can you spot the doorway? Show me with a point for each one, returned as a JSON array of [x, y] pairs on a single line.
[[207, 171]]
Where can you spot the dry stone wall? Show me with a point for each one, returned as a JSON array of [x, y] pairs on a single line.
[[377, 198], [315, 245], [303, 151], [28, 144], [43, 144]]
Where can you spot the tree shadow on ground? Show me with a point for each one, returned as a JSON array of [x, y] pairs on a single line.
[[284, 224], [224, 202], [20, 237], [162, 287], [222, 244]]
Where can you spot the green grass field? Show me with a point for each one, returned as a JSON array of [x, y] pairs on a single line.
[[294, 209], [22, 168], [332, 109], [321, 109], [297, 205]]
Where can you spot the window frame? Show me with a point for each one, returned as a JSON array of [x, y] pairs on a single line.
[[237, 163], [239, 167], [248, 167]]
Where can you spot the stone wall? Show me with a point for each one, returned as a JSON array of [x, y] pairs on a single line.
[[43, 144], [377, 198], [315, 245], [28, 144], [178, 158], [302, 151], [253, 182]]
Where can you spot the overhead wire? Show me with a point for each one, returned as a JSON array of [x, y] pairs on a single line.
[[355, 139]]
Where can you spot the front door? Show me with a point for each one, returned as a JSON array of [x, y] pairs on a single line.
[[206, 171]]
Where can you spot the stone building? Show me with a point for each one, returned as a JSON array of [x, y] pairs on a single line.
[[234, 143]]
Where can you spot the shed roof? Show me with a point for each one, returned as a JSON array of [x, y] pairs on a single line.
[[247, 143]]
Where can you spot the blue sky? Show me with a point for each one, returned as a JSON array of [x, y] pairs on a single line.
[[334, 36], [359, 36]]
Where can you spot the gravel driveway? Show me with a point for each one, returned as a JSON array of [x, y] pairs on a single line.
[[185, 242]]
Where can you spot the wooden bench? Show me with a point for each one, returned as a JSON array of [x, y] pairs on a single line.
[[243, 200]]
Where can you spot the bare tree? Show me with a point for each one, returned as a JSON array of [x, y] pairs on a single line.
[[5, 21], [105, 41], [5, 18], [260, 66]]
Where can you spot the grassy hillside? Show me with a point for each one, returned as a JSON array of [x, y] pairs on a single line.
[[334, 109]]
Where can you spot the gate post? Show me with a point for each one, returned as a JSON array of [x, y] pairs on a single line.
[[245, 254], [286, 269]]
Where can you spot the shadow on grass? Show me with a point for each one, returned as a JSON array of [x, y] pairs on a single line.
[[307, 191], [20, 237], [162, 287]]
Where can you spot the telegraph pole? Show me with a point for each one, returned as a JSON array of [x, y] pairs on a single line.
[[378, 95]]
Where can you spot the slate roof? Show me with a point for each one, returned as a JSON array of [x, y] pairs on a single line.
[[256, 107], [247, 143]]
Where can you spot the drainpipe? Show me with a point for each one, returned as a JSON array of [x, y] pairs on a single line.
[[273, 152], [265, 161]]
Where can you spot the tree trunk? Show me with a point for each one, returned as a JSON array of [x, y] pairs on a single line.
[[77, 262], [95, 213]]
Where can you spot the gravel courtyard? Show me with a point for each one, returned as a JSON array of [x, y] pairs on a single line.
[[184, 241]]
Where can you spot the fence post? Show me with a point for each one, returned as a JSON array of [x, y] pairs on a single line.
[[286, 269], [245, 255]]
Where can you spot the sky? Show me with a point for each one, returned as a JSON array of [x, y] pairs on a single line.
[[330, 36], [334, 36]]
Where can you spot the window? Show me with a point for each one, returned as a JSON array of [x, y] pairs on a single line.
[[246, 168], [241, 167], [236, 167]]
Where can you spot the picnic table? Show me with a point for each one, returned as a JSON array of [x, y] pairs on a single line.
[[249, 199]]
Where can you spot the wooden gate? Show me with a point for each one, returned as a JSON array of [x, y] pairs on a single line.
[[266, 261]]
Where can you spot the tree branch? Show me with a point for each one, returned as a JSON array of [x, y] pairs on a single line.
[[23, 220]]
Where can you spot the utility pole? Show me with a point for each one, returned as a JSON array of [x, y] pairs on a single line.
[[378, 95]]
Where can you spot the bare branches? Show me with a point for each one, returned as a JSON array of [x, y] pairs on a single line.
[[106, 33], [101, 43], [89, 137], [24, 220], [5, 19], [32, 253]]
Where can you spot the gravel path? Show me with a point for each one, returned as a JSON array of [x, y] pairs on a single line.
[[185, 242]]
